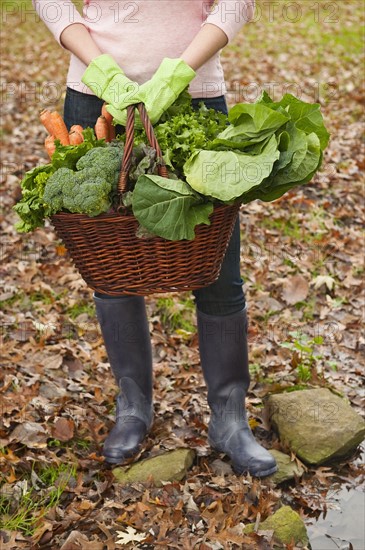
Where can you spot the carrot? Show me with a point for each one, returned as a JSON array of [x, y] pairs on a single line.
[[102, 128], [76, 128], [46, 120], [109, 119], [105, 113], [59, 128], [75, 138], [49, 145]]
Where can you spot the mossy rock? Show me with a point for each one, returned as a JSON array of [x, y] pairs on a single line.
[[170, 466], [316, 424], [287, 468], [287, 526]]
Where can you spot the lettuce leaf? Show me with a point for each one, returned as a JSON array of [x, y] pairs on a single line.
[[187, 131], [306, 116], [250, 125], [255, 118], [67, 155], [226, 175], [306, 161], [168, 207], [30, 208]]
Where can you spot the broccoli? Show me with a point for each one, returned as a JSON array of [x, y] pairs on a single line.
[[87, 190], [103, 162], [53, 191], [90, 198]]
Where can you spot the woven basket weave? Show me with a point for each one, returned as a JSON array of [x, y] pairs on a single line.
[[113, 260]]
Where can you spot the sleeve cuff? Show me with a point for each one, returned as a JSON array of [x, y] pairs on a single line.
[[230, 16]]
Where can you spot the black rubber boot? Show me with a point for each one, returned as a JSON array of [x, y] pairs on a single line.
[[125, 330], [224, 360]]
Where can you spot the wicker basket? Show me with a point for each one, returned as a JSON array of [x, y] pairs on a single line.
[[113, 260]]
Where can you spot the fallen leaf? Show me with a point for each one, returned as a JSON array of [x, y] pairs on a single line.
[[45, 527], [54, 362], [61, 250], [86, 505], [9, 456], [323, 280], [63, 429], [295, 289], [31, 434], [11, 543], [77, 540], [130, 535]]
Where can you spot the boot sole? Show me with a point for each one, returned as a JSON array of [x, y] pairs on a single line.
[[128, 457], [240, 470], [123, 459], [263, 473]]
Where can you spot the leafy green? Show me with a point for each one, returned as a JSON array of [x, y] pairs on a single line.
[[30, 208], [184, 132], [300, 136], [66, 156], [169, 208], [251, 124], [256, 118], [226, 175], [306, 116], [306, 165], [143, 161]]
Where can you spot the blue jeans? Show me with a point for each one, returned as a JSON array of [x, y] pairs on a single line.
[[225, 296]]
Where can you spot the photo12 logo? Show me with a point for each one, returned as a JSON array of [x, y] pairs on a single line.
[[53, 12], [272, 11]]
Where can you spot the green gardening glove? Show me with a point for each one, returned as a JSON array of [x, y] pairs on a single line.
[[159, 93], [107, 80]]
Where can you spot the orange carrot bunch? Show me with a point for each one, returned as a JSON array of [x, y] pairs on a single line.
[[56, 128]]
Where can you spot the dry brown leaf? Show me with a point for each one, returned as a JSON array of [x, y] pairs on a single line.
[[31, 434], [12, 540], [63, 429], [295, 289], [76, 540], [7, 455]]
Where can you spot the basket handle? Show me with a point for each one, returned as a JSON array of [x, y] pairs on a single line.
[[128, 148]]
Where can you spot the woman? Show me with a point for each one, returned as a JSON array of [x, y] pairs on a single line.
[[150, 51]]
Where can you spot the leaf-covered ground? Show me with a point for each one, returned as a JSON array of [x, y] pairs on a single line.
[[302, 262]]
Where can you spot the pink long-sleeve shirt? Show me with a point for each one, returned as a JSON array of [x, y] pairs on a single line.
[[140, 33]]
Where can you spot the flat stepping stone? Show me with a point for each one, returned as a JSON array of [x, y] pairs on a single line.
[[169, 466]]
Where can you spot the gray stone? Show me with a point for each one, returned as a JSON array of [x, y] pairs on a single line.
[[287, 526], [316, 424], [170, 466], [287, 469]]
